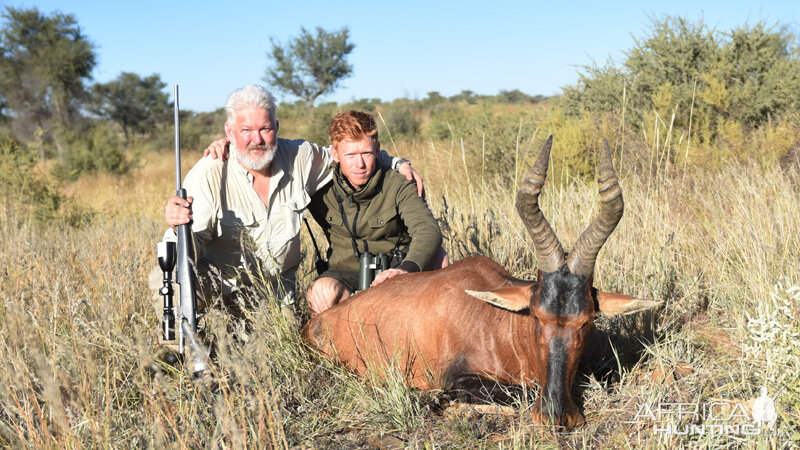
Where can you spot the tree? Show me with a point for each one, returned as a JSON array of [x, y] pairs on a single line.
[[517, 96], [465, 95], [760, 74], [311, 65], [599, 88], [749, 75], [44, 63], [669, 61], [137, 104]]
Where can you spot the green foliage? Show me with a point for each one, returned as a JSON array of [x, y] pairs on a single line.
[[96, 148], [197, 130], [599, 88], [401, 119], [689, 76], [44, 63], [496, 141], [316, 129], [675, 54], [433, 99], [466, 96], [368, 105], [137, 104], [27, 193], [445, 119], [311, 65], [762, 76], [516, 96]]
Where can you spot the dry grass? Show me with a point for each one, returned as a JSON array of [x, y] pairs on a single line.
[[79, 334]]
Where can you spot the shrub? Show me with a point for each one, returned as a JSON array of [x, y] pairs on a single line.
[[316, 129], [94, 149], [400, 119], [28, 194], [445, 119], [368, 105], [750, 75], [516, 96]]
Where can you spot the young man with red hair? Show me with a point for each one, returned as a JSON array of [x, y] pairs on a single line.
[[368, 209]]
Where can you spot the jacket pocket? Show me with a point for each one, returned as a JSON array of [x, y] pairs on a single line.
[[287, 218], [383, 219]]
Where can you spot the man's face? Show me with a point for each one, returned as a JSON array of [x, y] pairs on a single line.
[[357, 160], [254, 136]]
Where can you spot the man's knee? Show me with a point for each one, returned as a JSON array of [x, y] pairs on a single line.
[[324, 293]]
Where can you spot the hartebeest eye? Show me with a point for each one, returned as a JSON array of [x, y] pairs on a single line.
[[583, 331]]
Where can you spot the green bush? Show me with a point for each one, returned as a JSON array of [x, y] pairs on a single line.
[[27, 194], [496, 141], [699, 75], [368, 105], [445, 119], [316, 129], [400, 119], [763, 77], [599, 89], [95, 149], [199, 130], [517, 97]]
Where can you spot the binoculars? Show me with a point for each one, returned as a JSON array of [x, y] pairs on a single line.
[[371, 265]]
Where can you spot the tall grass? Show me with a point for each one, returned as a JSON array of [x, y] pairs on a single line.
[[79, 336]]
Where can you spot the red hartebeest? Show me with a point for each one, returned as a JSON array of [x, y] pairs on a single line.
[[473, 319]]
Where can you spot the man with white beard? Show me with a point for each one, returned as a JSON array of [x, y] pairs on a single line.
[[246, 212]]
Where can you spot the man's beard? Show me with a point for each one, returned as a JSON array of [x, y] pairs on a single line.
[[248, 162]]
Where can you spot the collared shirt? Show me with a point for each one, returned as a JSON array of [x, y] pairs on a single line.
[[240, 235]]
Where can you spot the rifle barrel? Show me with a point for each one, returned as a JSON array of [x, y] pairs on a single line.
[[177, 144]]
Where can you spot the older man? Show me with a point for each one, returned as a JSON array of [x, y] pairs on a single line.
[[246, 211], [368, 209]]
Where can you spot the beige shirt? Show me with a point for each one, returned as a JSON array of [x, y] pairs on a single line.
[[240, 235]]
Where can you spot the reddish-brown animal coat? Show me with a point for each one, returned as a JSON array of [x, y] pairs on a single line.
[[408, 311]]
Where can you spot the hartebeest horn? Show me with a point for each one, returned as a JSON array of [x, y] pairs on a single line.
[[584, 254], [548, 249]]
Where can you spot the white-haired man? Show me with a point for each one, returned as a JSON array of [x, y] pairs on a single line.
[[246, 211]]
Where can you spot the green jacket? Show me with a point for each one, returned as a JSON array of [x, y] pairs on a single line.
[[385, 214]]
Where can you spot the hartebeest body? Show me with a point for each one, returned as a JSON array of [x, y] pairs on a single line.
[[474, 319]]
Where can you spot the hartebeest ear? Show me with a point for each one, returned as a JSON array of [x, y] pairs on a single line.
[[618, 304], [514, 298]]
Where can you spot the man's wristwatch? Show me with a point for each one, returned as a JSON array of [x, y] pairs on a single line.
[[399, 162]]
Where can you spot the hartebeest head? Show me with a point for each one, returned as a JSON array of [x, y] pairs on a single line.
[[560, 306]]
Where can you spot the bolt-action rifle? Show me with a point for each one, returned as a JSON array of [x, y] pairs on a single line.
[[194, 352]]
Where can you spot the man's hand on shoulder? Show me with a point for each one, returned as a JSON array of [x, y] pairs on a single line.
[[386, 274], [218, 149], [412, 175]]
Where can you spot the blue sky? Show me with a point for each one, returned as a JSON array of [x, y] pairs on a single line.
[[403, 49]]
